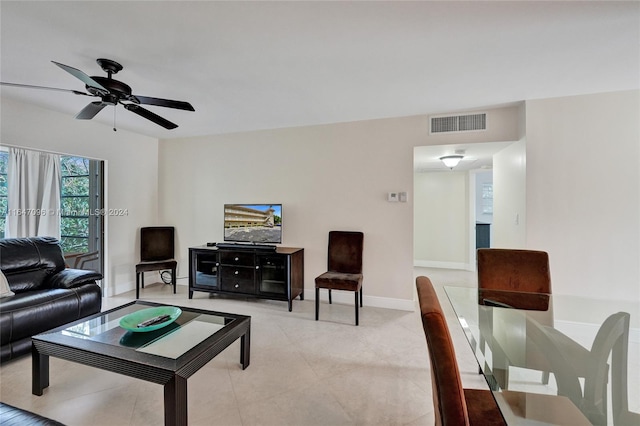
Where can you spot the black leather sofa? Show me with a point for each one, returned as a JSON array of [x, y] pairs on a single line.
[[14, 416], [47, 294]]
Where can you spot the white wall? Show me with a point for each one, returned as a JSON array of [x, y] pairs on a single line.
[[583, 191], [441, 220], [509, 197], [332, 177], [328, 177], [582, 197], [131, 175], [443, 223]]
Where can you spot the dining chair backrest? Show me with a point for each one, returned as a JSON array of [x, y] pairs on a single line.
[[157, 243], [612, 339], [448, 394], [345, 252], [514, 270]]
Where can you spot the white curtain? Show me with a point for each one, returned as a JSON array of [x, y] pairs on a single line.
[[33, 201]]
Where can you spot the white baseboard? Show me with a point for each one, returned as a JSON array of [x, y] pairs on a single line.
[[119, 288], [443, 265], [344, 297], [347, 298], [123, 287]]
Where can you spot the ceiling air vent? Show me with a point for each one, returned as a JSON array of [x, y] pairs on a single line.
[[459, 123]]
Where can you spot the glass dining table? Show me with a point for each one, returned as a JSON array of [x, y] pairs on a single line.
[[528, 344]]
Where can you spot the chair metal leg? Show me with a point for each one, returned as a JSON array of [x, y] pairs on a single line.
[[356, 300], [142, 279], [317, 302], [329, 296], [137, 285], [173, 279], [361, 297]]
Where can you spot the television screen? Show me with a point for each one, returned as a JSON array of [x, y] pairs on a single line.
[[254, 223]]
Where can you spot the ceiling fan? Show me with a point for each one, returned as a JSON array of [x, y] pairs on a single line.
[[112, 92]]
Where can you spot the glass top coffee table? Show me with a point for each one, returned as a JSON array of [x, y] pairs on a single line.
[[167, 356]]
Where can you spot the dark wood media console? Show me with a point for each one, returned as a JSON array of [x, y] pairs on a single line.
[[269, 274]]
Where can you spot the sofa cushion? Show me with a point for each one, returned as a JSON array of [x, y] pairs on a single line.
[[29, 262], [15, 349], [5, 290], [33, 312]]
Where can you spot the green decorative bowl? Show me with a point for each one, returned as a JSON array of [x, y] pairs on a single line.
[[130, 322]]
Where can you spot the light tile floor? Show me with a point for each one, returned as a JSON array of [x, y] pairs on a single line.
[[302, 372]]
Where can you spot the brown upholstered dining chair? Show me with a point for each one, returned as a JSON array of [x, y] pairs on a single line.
[[157, 252], [528, 271], [515, 270], [344, 266], [453, 405]]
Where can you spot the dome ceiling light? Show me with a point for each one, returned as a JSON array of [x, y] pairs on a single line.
[[452, 160]]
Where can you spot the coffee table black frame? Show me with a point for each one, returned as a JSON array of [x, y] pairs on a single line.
[[171, 373]]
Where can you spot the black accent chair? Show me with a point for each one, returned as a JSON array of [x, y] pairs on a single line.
[[47, 294], [344, 266], [157, 253]]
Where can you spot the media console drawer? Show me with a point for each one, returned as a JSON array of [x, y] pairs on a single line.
[[237, 279], [277, 275], [243, 258]]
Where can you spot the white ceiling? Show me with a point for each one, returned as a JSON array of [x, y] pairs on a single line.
[[257, 65], [475, 156]]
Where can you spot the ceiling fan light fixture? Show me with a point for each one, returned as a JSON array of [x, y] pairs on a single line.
[[451, 160], [112, 93]]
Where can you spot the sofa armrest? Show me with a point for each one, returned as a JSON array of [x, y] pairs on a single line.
[[69, 278]]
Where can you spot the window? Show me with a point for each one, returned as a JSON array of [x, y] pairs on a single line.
[[487, 198], [81, 203], [81, 221]]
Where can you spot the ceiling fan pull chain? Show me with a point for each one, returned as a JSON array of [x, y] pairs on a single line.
[[114, 120]]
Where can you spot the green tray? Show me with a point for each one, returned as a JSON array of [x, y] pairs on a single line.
[[130, 322]]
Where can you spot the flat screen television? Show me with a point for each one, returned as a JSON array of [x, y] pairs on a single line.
[[253, 223]]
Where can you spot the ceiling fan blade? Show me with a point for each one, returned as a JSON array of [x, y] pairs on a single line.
[[90, 110], [145, 113], [31, 86], [82, 76], [164, 103]]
